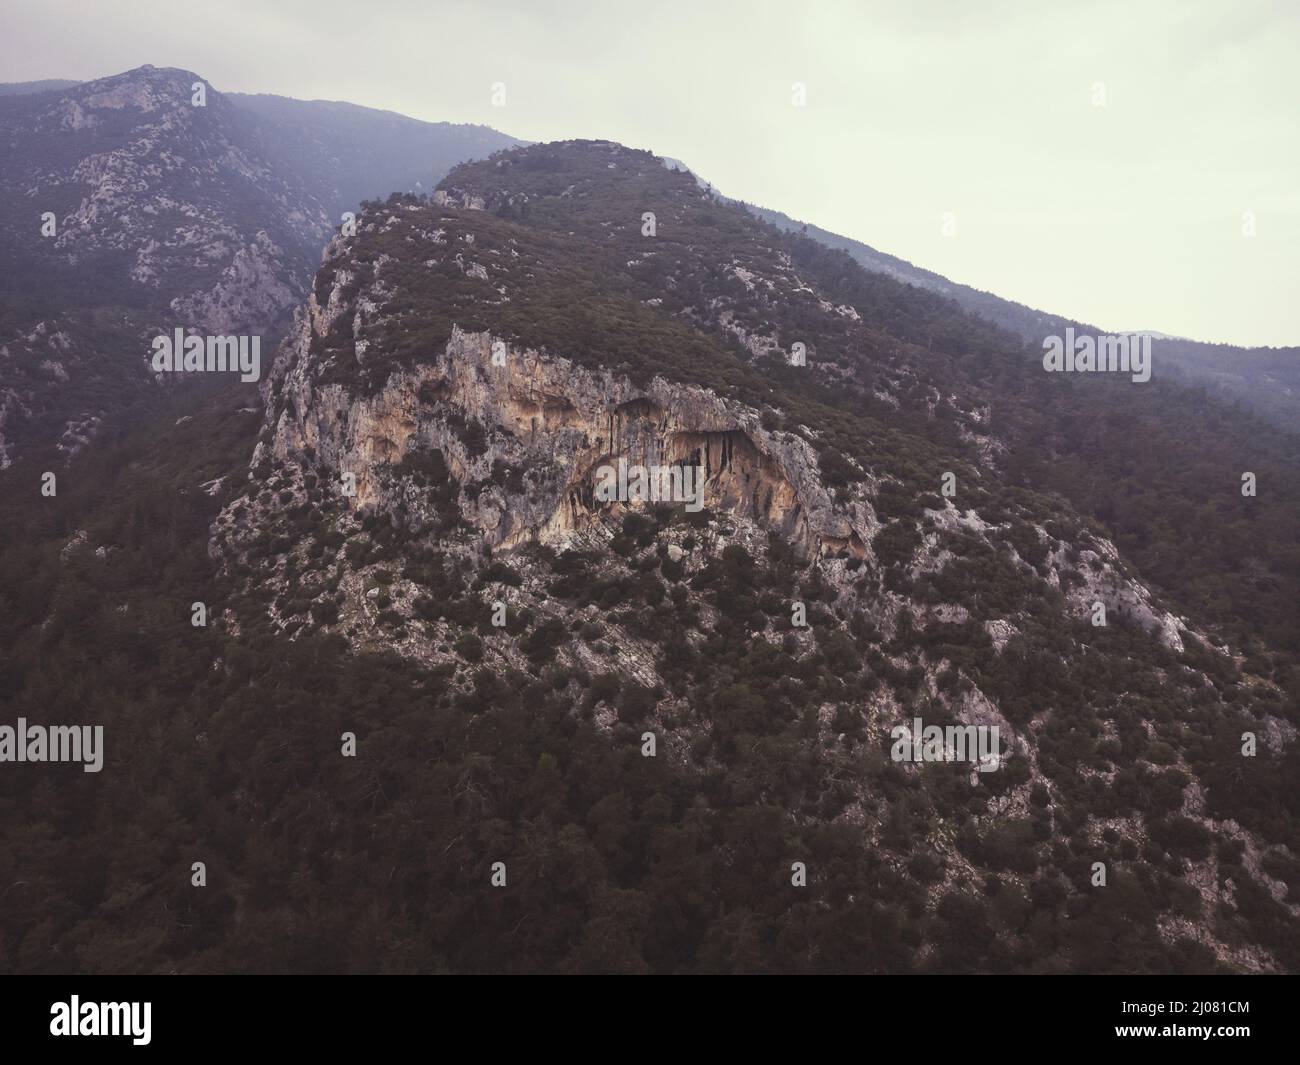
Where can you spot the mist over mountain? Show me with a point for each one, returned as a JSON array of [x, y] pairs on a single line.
[[130, 207], [24, 88], [346, 154], [606, 576]]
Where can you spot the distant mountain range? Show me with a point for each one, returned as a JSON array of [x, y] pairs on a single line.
[[26, 88], [1266, 380]]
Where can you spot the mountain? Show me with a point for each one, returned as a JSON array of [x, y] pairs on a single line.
[[591, 732], [425, 486], [153, 213], [346, 154], [1264, 380]]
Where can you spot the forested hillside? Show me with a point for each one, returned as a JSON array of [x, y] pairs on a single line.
[[396, 538]]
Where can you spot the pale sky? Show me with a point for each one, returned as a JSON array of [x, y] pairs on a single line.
[[1126, 216]]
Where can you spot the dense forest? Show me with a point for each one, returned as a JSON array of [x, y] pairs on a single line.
[[224, 750], [224, 740]]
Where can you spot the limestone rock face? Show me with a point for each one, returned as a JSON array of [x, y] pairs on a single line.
[[559, 424], [252, 289], [1123, 596], [456, 198]]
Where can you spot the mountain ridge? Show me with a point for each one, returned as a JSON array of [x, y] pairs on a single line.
[[164, 211], [444, 370], [1263, 379]]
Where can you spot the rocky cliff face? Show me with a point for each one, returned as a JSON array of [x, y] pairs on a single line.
[[558, 423]]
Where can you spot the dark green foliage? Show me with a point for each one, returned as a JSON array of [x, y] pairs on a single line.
[[225, 742]]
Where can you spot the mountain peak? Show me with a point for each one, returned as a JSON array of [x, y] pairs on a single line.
[[160, 207], [172, 81]]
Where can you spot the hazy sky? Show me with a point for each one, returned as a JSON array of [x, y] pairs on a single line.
[[1127, 215]]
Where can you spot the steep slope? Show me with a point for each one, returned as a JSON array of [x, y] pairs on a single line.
[[1263, 380], [425, 482], [345, 154], [129, 211]]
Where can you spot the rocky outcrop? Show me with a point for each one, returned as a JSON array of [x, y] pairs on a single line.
[[559, 424], [254, 291], [1124, 597]]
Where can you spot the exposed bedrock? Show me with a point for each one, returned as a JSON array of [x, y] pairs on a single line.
[[557, 423]]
